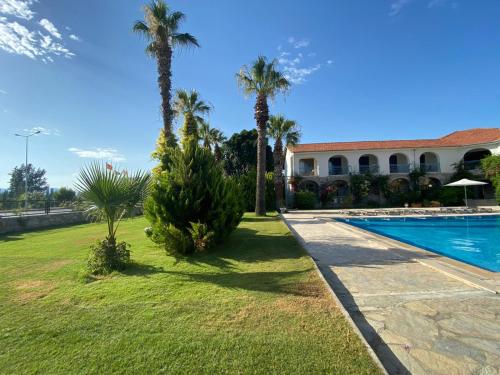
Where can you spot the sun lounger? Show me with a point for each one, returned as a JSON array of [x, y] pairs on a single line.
[[485, 210]]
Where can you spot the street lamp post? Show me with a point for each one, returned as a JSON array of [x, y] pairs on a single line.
[[26, 137]]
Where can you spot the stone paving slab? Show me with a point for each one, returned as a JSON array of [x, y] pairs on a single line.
[[417, 319]]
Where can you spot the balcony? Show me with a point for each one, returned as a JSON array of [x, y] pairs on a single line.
[[307, 172], [429, 167], [365, 169], [399, 168], [472, 165], [335, 170]]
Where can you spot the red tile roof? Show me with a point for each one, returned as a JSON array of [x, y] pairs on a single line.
[[458, 138]]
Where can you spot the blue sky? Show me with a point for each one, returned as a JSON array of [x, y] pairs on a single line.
[[386, 69]]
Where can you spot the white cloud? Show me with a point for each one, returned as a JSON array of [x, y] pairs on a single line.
[[329, 62], [298, 43], [42, 130], [397, 6], [75, 37], [299, 75], [17, 8], [98, 153], [28, 40], [17, 39], [49, 26], [3, 92], [293, 63], [439, 3]]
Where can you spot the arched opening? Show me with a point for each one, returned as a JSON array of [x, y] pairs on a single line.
[[368, 164], [429, 162], [333, 193], [307, 167], [337, 165], [398, 163], [400, 185], [472, 158], [308, 185]]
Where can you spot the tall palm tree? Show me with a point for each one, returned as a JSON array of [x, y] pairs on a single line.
[[264, 81], [217, 138], [281, 129], [160, 27], [191, 107]]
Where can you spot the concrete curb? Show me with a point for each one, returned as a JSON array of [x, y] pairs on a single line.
[[341, 307]]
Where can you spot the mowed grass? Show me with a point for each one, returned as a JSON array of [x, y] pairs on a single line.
[[254, 305]]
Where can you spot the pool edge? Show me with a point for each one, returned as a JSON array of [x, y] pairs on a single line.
[[465, 272]]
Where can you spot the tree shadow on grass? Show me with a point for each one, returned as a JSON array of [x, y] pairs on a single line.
[[258, 219], [269, 282], [141, 269], [246, 245]]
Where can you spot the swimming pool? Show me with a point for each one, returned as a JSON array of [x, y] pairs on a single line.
[[470, 239]]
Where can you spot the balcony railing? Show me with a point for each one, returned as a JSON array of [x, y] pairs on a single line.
[[307, 172], [429, 167], [399, 168], [373, 168], [337, 170]]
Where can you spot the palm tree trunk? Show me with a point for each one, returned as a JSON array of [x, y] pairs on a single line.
[[164, 62], [217, 152], [261, 117], [206, 144], [278, 172]]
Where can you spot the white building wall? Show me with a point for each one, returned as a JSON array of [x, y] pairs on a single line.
[[447, 156]]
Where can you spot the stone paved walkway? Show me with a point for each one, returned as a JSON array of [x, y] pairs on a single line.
[[418, 319]]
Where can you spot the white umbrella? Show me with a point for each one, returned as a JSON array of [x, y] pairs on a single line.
[[465, 182]]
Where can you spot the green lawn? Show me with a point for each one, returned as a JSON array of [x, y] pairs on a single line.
[[255, 305]]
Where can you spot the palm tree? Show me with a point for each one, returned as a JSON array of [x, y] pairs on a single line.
[[211, 136], [217, 138], [191, 107], [205, 133], [281, 129], [264, 81], [112, 194], [160, 27]]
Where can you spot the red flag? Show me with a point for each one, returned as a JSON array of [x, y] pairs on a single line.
[[109, 166]]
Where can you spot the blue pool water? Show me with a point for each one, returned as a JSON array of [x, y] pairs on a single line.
[[470, 239]]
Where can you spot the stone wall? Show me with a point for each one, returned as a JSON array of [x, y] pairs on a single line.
[[26, 223]]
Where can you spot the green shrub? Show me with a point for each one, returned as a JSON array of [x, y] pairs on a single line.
[[491, 168], [305, 200], [105, 257], [192, 205], [451, 196], [64, 194], [360, 187], [247, 183]]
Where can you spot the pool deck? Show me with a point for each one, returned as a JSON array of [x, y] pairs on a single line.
[[420, 312]]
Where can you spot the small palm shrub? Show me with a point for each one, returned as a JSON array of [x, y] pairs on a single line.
[[192, 205], [112, 196]]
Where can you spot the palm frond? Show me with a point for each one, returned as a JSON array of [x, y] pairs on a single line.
[[184, 40], [174, 19], [262, 78], [111, 194], [141, 28]]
